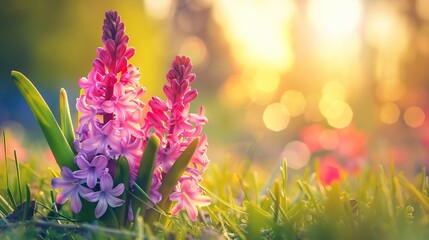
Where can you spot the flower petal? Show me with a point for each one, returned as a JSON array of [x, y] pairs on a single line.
[[114, 201], [76, 204], [92, 196], [80, 174], [61, 198], [82, 162], [176, 209], [106, 182], [101, 208], [118, 190], [100, 162], [91, 180], [202, 201], [59, 183]]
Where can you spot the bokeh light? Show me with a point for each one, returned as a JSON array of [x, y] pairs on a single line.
[[294, 101], [276, 117], [414, 116], [195, 48], [389, 113], [296, 154]]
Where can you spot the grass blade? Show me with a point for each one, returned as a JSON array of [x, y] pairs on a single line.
[[18, 174], [420, 197], [5, 159], [57, 142], [12, 199], [66, 120]]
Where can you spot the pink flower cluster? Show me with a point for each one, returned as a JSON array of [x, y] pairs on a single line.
[[109, 127], [110, 105], [340, 151], [177, 128]]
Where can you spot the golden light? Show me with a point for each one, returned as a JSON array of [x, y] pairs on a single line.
[[389, 113], [312, 112], [414, 117], [266, 81], [294, 101], [260, 84], [231, 94], [296, 154], [258, 31], [390, 90], [422, 9], [338, 114], [195, 48], [336, 88], [334, 19], [386, 29], [159, 9], [276, 117]]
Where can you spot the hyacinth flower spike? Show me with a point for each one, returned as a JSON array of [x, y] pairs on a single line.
[[109, 114], [180, 134]]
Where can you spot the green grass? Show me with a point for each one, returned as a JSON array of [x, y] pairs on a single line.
[[378, 203]]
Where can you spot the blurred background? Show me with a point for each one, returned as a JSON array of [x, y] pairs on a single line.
[[337, 81]]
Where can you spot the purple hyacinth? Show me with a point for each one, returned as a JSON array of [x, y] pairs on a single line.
[[107, 196], [90, 170], [110, 105], [109, 123], [72, 188]]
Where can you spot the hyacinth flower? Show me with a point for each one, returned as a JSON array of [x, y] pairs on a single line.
[[110, 110], [176, 128], [111, 164]]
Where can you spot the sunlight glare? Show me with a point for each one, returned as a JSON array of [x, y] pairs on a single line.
[[258, 31], [159, 9], [334, 19]]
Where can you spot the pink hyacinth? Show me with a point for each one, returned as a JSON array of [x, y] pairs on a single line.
[[177, 128], [110, 110], [110, 105], [189, 196]]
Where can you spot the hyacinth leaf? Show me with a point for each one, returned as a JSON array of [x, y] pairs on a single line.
[[145, 173], [66, 120], [170, 180], [122, 175], [58, 144], [27, 201]]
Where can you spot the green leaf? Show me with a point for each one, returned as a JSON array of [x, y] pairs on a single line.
[[170, 180], [60, 148], [145, 172], [65, 119], [27, 202], [122, 176]]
